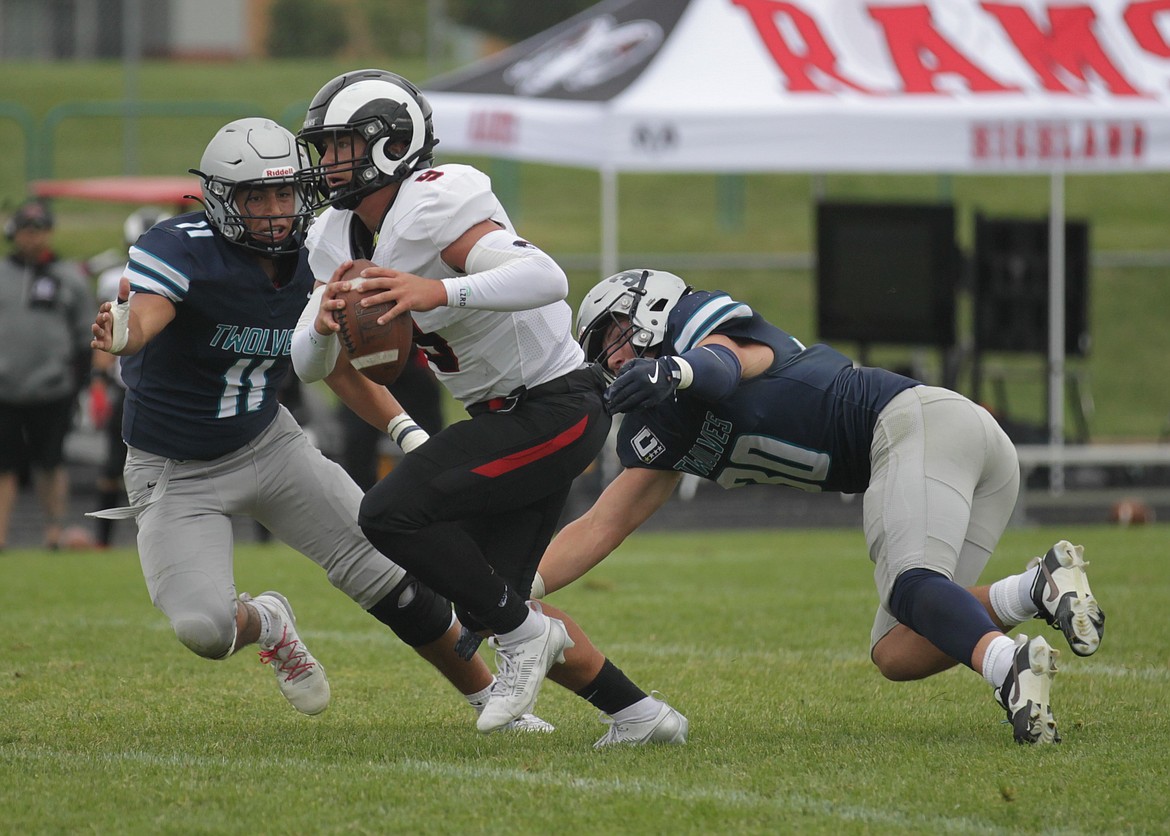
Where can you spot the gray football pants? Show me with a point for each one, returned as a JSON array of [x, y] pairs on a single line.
[[281, 480], [943, 485]]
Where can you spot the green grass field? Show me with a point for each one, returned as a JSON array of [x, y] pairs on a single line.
[[107, 725]]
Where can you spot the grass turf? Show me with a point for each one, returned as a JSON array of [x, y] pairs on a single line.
[[109, 725]]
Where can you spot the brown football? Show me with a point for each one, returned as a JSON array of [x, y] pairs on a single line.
[[380, 352]]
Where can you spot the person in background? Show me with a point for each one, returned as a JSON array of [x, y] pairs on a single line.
[[107, 391], [711, 388], [45, 311]]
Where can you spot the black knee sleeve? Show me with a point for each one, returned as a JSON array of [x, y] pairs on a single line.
[[415, 613], [469, 621]]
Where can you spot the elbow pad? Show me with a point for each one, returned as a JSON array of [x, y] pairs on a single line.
[[709, 372], [313, 355]]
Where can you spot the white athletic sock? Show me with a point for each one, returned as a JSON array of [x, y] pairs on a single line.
[[269, 625], [997, 661], [479, 699], [1011, 598], [537, 586], [530, 629], [644, 709]]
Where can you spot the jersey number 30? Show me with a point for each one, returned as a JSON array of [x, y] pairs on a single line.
[[762, 460]]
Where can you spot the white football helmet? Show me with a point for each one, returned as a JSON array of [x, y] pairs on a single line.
[[140, 220], [250, 153], [639, 300], [389, 113]]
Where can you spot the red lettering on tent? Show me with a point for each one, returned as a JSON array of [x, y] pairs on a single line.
[[1045, 140], [811, 69], [921, 53], [1114, 140], [1068, 49], [493, 126], [1139, 17], [980, 142], [1033, 142]]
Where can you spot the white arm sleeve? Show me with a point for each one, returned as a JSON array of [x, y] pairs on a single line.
[[506, 273], [314, 355]]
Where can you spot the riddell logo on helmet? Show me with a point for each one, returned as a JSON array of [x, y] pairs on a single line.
[[286, 171]]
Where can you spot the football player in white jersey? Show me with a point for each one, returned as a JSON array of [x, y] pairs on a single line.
[[470, 511]]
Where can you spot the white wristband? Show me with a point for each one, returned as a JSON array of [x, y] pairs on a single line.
[[686, 373], [119, 325], [537, 586], [405, 433]]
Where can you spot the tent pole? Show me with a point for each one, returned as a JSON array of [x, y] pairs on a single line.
[[609, 222], [1056, 328]]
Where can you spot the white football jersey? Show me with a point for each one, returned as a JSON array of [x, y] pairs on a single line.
[[476, 354]]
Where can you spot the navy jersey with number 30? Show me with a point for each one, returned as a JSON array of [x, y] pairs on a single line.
[[806, 422], [206, 384]]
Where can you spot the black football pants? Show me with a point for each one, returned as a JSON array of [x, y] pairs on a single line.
[[471, 512]]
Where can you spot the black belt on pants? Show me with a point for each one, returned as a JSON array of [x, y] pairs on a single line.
[[562, 385]]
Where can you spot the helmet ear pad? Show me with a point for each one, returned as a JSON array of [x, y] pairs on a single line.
[[396, 123], [388, 164]]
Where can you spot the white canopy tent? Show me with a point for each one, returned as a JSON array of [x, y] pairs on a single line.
[[928, 86]]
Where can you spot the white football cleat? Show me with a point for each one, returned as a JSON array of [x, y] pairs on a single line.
[[301, 678], [667, 726], [522, 668], [530, 723], [1026, 693], [1062, 595]]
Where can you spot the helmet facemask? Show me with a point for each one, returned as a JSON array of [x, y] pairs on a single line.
[[638, 302], [224, 207], [602, 339]]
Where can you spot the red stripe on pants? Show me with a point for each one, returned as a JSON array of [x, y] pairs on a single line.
[[509, 463]]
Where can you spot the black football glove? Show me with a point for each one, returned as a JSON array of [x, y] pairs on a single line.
[[641, 384]]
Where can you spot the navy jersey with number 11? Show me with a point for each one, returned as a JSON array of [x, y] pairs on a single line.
[[806, 422], [207, 383]]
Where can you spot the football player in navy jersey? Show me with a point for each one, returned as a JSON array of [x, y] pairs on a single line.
[[204, 318], [470, 511], [712, 389]]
